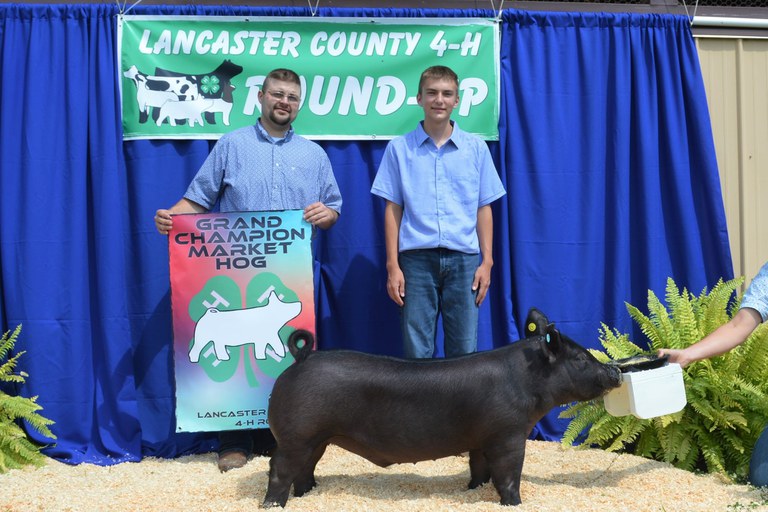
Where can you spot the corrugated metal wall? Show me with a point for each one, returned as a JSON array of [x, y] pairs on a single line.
[[736, 79]]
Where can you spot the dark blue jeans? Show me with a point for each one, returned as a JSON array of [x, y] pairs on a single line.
[[438, 283], [758, 464]]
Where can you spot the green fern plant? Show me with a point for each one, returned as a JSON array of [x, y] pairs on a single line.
[[727, 396], [16, 450]]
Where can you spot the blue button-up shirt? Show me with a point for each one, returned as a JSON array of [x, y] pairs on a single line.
[[248, 170], [439, 189], [756, 296]]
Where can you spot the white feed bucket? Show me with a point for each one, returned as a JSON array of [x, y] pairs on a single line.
[[650, 387]]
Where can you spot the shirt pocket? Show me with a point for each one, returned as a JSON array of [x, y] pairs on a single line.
[[300, 187], [465, 183]]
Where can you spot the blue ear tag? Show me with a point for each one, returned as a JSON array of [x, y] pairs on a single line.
[[547, 337]]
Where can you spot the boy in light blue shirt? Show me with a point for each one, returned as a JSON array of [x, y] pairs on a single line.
[[438, 182]]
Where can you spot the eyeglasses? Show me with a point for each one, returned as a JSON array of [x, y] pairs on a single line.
[[281, 96]]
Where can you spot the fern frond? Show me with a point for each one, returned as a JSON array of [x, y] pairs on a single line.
[[648, 325], [675, 443], [584, 414], [604, 431], [648, 444], [713, 457], [7, 368], [754, 351], [683, 316], [661, 317], [617, 346], [715, 306], [665, 421], [628, 430], [7, 342], [14, 408], [599, 355], [16, 450]]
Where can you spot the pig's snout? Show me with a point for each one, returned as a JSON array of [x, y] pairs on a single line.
[[613, 376]]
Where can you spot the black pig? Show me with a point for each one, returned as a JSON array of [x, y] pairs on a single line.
[[391, 410]]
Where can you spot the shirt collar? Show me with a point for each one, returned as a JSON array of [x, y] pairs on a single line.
[[455, 138], [265, 135]]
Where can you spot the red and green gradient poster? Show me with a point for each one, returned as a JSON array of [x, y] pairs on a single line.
[[240, 284]]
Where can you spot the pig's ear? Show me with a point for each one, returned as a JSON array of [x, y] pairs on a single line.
[[536, 323], [552, 342]]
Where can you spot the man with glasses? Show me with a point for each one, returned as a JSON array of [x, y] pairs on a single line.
[[261, 168]]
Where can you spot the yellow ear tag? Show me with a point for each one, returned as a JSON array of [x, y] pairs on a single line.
[[531, 326]]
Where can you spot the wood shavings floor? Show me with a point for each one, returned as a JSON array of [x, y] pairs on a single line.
[[554, 479]]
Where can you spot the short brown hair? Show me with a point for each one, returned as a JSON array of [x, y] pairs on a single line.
[[283, 75], [438, 73]]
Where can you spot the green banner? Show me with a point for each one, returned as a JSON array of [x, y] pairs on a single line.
[[192, 77]]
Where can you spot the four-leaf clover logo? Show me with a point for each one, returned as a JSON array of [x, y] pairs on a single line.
[[210, 84]]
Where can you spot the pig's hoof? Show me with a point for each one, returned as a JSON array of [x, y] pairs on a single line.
[[272, 504], [300, 489], [511, 501], [475, 483]]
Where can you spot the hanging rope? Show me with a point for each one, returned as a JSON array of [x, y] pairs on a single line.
[[498, 12], [122, 12], [313, 10], [690, 18]]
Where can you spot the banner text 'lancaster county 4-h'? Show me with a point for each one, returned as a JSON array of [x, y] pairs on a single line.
[[186, 77]]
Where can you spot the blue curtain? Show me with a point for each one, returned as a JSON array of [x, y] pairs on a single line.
[[605, 150]]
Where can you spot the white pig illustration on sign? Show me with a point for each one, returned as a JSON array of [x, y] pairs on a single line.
[[233, 328]]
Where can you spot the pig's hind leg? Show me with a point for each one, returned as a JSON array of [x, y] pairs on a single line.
[[290, 467], [279, 485], [305, 480], [284, 466], [478, 469]]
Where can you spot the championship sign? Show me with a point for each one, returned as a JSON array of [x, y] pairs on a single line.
[[198, 77], [240, 284]]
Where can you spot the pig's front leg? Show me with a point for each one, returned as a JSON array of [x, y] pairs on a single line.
[[478, 469], [506, 467]]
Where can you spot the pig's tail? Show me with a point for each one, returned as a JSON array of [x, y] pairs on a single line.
[[300, 343]]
